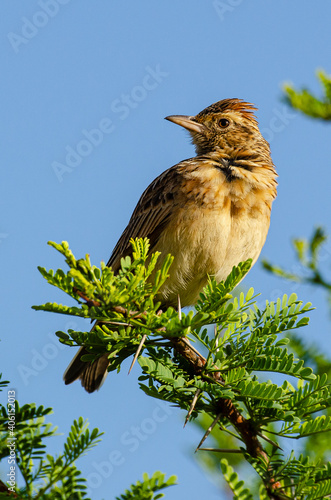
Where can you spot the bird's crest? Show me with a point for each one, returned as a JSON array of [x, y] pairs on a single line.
[[245, 108]]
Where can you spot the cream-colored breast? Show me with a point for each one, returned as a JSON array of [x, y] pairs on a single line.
[[210, 234]]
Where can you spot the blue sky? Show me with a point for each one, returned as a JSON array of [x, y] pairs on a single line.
[[84, 89]]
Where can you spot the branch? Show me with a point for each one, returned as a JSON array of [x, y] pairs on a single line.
[[244, 427], [224, 406]]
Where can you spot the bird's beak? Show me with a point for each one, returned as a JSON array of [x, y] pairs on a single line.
[[187, 122]]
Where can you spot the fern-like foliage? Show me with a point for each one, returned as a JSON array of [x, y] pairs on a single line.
[[45, 476], [296, 477], [237, 486], [213, 361], [310, 398], [149, 488], [308, 104], [307, 253]]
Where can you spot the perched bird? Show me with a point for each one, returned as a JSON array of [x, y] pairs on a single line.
[[210, 212]]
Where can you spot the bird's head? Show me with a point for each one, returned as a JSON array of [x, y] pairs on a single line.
[[226, 127]]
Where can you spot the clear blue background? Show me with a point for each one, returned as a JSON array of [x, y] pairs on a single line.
[[74, 67]]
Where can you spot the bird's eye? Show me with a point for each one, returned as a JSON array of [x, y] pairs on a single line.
[[224, 123]]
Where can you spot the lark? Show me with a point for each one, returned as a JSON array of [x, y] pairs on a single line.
[[210, 212]]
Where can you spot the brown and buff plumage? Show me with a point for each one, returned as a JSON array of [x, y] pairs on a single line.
[[210, 212]]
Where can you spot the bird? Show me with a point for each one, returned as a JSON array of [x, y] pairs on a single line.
[[210, 212]]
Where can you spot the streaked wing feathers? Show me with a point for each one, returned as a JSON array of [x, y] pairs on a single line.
[[150, 216]]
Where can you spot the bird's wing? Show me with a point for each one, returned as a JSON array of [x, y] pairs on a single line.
[[150, 216]]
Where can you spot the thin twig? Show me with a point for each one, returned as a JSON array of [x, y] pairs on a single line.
[[263, 436], [194, 400], [89, 302], [143, 338], [117, 323], [208, 431], [190, 346]]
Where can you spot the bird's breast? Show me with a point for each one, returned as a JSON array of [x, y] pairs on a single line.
[[214, 227]]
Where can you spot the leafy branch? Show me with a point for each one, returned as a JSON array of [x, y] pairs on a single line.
[[308, 104], [240, 342], [45, 477], [145, 490], [48, 477], [307, 253]]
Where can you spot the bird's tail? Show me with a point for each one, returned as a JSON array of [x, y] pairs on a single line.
[[92, 375]]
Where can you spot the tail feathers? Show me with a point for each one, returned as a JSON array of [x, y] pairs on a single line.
[[92, 375]]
